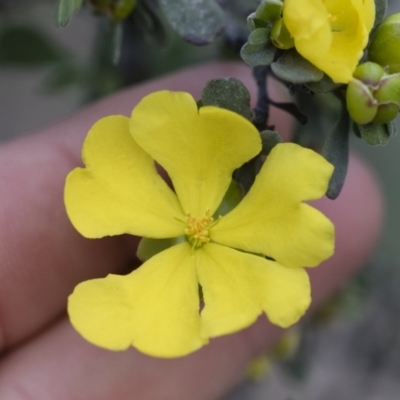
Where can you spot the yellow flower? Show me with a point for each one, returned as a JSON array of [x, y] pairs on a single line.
[[331, 34], [156, 308]]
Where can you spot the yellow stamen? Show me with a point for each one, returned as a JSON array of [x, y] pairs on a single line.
[[197, 229]]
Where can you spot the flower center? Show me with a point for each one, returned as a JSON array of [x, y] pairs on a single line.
[[198, 229]]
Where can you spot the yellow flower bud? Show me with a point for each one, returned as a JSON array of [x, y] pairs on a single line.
[[385, 45]]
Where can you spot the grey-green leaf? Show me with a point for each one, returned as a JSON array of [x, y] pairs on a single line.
[[197, 21], [336, 151], [292, 67], [325, 85], [77, 5], [65, 11], [259, 36], [232, 198], [150, 247], [258, 55], [229, 93], [376, 135], [269, 140], [27, 46], [381, 7]]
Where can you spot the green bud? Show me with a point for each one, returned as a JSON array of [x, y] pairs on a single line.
[[361, 104], [117, 9], [100, 5], [280, 36], [370, 74], [385, 45], [389, 89], [386, 112], [120, 9]]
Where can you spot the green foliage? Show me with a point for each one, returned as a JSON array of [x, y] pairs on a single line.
[[269, 140], [325, 85], [336, 151], [65, 10], [197, 21], [256, 55], [259, 50], [374, 134], [381, 7], [229, 93], [232, 198], [151, 23], [292, 67], [26, 46], [150, 247]]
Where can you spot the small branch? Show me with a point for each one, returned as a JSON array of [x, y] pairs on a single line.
[[261, 110]]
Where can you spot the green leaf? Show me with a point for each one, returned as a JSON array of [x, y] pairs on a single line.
[[150, 247], [64, 75], [77, 5], [198, 22], [246, 174], [117, 42], [336, 151], [229, 93], [381, 7], [147, 17], [232, 198], [256, 55], [253, 22], [259, 36], [65, 11], [269, 10], [375, 135], [325, 85], [292, 67], [26, 46], [269, 140]]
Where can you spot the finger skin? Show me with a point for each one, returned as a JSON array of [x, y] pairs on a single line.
[[60, 365], [42, 257]]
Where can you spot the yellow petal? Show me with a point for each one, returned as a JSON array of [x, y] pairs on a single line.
[[119, 191], [287, 294], [330, 34], [231, 289], [155, 308], [271, 219], [198, 148], [238, 286]]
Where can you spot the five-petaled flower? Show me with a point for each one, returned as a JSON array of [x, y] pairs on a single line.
[[331, 34], [156, 308]]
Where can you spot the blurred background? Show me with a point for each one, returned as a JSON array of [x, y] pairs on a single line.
[[351, 349]]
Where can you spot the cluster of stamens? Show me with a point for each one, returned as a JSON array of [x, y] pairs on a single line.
[[198, 229]]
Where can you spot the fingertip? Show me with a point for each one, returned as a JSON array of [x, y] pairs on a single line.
[[358, 216]]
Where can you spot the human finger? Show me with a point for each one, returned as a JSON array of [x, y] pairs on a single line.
[[42, 257], [61, 365]]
